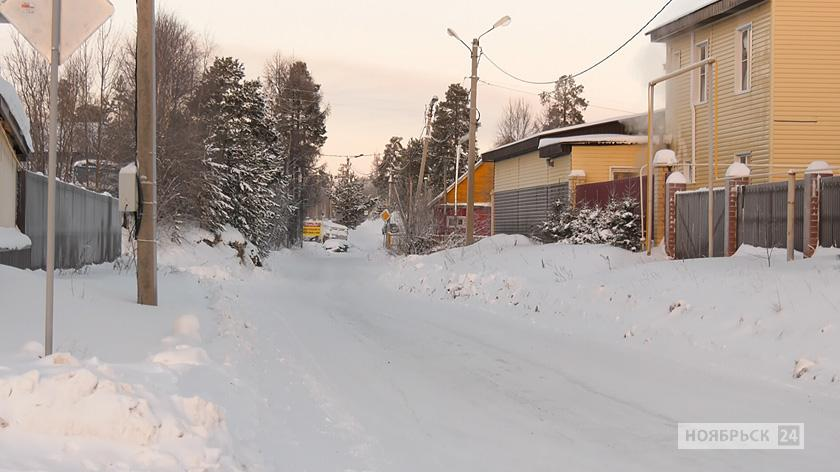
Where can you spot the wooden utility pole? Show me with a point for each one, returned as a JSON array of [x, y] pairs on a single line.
[[146, 154], [470, 238], [427, 130]]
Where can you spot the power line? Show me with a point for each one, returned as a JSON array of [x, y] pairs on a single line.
[[605, 59], [527, 92]]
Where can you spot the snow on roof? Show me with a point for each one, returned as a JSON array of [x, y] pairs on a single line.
[[11, 239], [577, 173], [595, 139], [10, 95], [568, 128], [678, 9]]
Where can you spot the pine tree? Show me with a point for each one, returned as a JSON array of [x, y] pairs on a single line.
[[240, 159], [625, 224], [564, 106], [350, 203], [451, 121], [387, 165]]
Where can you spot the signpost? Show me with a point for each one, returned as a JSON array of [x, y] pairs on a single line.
[[55, 32], [386, 215]]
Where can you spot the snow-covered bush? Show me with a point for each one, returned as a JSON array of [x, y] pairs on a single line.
[[619, 224]]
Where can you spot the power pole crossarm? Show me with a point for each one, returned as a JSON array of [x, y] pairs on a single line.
[[146, 154]]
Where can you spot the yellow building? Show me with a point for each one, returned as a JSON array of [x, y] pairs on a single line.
[[534, 173], [451, 204], [777, 85]]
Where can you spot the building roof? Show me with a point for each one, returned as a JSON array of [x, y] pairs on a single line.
[[452, 185], [696, 13], [595, 139], [620, 125], [14, 120]]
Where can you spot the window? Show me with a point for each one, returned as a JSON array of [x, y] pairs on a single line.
[[703, 82], [743, 72], [456, 221], [622, 173], [743, 157]]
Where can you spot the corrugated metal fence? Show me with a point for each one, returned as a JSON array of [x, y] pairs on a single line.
[[693, 224], [830, 213], [521, 211], [601, 193], [762, 215], [88, 226]]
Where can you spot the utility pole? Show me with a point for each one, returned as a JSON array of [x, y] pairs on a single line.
[[146, 154], [427, 130], [470, 238]]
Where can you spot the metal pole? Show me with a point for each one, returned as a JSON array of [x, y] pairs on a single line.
[[711, 215], [470, 238], [649, 203], [147, 154], [55, 57], [424, 159], [791, 214]]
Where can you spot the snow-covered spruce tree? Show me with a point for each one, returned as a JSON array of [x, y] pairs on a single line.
[[625, 224], [241, 158], [349, 200], [559, 224]]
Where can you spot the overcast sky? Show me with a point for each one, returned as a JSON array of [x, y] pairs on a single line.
[[380, 61]]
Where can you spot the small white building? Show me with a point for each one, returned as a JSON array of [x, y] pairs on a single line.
[[15, 147]]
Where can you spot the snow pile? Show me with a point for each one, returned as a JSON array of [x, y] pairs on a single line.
[[89, 415], [751, 313], [11, 239]]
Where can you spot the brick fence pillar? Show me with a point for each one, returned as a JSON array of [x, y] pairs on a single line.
[[811, 225], [737, 175], [676, 183]]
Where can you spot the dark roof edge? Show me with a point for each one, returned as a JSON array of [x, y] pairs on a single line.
[[12, 128], [702, 16]]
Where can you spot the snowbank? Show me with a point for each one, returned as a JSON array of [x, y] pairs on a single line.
[[11, 239], [752, 313]]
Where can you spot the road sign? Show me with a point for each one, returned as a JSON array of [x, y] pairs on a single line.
[[79, 20], [386, 215], [311, 230]]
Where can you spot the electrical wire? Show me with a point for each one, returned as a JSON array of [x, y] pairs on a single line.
[[590, 68], [527, 92]]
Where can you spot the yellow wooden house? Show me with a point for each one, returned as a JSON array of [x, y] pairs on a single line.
[[777, 85], [534, 173]]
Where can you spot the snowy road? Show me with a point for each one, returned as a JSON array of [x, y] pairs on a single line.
[[357, 376]]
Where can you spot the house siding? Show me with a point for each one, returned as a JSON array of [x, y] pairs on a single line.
[[597, 161], [743, 118], [8, 183], [530, 170], [806, 83], [483, 185]]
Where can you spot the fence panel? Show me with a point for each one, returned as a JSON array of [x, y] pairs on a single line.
[[88, 225], [521, 211], [830, 213], [762, 219], [693, 224], [599, 194]]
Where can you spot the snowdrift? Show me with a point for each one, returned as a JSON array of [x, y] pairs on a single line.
[[754, 313]]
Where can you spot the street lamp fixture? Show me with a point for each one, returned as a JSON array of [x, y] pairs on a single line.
[[474, 54]]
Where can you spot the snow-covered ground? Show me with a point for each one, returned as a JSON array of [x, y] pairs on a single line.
[[503, 356]]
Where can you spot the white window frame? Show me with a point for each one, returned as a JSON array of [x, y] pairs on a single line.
[[702, 73], [622, 169], [740, 86], [743, 157]]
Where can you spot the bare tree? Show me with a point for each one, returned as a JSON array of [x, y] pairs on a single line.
[[518, 122], [29, 72]]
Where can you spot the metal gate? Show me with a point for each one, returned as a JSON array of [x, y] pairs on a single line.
[[521, 211], [693, 224], [762, 219], [830, 212]]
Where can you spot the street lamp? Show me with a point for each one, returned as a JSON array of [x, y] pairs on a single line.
[[474, 54]]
